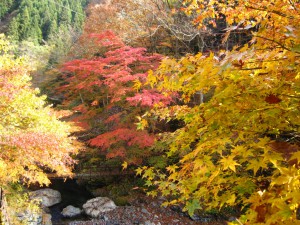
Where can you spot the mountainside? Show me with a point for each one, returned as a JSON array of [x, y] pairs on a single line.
[[38, 20]]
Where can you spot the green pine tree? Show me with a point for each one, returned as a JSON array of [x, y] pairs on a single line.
[[65, 17], [13, 30], [36, 32], [25, 24], [78, 16]]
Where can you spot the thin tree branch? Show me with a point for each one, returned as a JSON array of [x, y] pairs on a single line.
[[277, 42], [293, 5], [270, 11]]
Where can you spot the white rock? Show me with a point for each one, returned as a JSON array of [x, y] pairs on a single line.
[[96, 206], [71, 211], [48, 197]]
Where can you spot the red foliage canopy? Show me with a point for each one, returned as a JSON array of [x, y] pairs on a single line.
[[108, 79]]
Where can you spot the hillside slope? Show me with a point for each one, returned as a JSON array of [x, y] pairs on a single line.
[[39, 20]]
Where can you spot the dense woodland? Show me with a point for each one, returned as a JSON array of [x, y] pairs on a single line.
[[200, 98], [38, 21]]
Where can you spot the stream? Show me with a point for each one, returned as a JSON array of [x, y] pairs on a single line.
[[72, 194]]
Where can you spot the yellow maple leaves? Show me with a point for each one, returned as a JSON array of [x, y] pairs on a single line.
[[229, 163], [251, 104]]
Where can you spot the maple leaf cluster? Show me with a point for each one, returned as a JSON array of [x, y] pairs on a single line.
[[107, 80]]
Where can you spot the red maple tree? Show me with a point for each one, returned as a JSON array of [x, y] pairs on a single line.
[[106, 81]]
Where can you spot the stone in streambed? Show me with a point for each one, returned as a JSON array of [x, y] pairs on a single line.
[[47, 197], [71, 211], [97, 206]]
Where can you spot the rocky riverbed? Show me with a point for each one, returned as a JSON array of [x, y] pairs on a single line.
[[72, 209], [143, 211]]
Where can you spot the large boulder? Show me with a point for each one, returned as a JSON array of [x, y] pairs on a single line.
[[96, 206], [47, 197], [71, 211]]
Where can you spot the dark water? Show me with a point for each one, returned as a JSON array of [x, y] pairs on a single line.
[[72, 194]]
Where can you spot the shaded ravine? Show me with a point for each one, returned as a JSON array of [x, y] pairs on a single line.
[[72, 194]]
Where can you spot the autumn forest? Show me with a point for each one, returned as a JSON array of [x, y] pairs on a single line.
[[200, 99]]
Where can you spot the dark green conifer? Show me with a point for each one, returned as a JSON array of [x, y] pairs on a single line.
[[13, 30], [25, 23], [65, 17]]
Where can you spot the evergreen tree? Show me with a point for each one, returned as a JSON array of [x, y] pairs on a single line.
[[78, 17], [36, 32], [13, 31], [52, 29], [65, 17], [25, 23], [27, 3], [46, 23]]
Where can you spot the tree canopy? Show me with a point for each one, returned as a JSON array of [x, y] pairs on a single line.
[[225, 120], [215, 128], [240, 146], [32, 138]]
